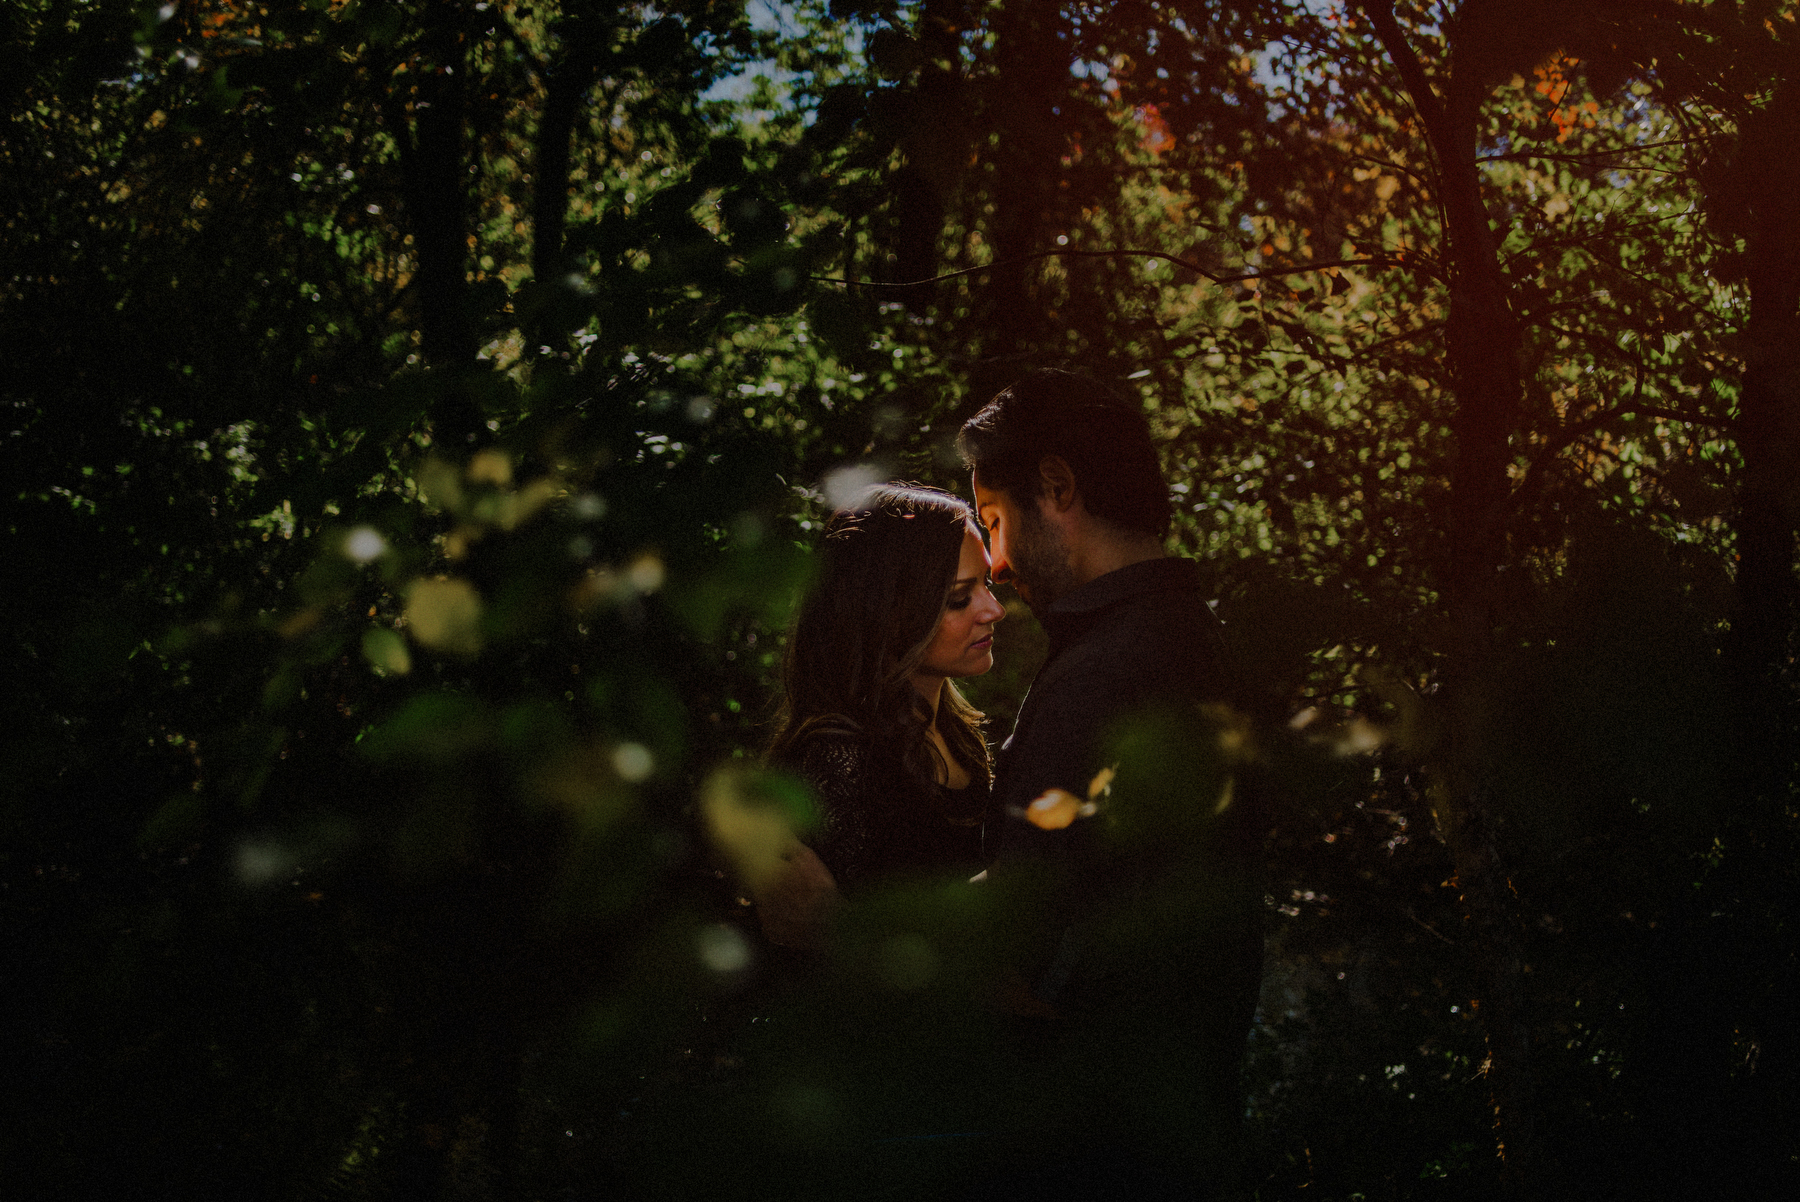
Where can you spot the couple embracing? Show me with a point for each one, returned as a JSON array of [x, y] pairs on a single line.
[[1136, 966]]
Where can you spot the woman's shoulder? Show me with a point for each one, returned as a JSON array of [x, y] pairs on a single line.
[[824, 730], [831, 744]]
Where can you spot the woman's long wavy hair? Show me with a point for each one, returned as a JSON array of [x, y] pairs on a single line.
[[888, 566]]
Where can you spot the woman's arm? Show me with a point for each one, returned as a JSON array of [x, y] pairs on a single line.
[[795, 907]]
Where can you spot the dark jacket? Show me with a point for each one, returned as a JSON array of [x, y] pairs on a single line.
[[1151, 916], [1134, 640], [1140, 925]]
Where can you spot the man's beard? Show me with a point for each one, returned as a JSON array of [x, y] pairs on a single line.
[[1040, 561]]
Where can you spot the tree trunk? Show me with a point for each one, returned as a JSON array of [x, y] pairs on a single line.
[[1755, 877], [570, 78], [434, 179], [1032, 60], [1769, 437], [1483, 350]]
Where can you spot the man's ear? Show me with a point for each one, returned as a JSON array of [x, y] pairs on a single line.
[[1058, 483]]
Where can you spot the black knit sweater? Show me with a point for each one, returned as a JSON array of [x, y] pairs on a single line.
[[879, 822]]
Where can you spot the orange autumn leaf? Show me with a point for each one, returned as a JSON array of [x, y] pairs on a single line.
[[1056, 809]]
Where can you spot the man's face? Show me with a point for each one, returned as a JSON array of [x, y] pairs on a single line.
[[1027, 548]]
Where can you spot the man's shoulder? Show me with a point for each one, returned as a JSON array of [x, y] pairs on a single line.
[[1156, 641]]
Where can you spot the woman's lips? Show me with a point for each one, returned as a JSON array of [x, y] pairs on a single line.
[[982, 644]]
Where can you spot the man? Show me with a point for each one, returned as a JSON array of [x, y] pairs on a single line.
[[1142, 928]]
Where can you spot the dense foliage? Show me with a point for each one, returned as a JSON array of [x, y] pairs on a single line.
[[415, 416]]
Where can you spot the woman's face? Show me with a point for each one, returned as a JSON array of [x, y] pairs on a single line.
[[963, 644]]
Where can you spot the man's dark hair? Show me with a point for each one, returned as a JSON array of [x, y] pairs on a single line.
[[1103, 437]]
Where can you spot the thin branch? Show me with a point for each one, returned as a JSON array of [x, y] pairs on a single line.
[[1726, 424], [1428, 928], [1533, 483], [1641, 278], [1420, 176], [1425, 101], [1412, 72], [1378, 261], [1569, 436], [1368, 352], [1591, 154]]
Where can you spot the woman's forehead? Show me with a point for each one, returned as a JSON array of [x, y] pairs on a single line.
[[974, 551]]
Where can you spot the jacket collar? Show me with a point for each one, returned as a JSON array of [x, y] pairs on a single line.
[[1072, 610]]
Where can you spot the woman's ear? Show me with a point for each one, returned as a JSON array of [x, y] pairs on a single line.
[[1058, 481]]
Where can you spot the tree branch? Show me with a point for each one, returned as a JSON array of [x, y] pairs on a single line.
[[1726, 424], [1412, 72], [567, 82], [1522, 155], [1378, 261]]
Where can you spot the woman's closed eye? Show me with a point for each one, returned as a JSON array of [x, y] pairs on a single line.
[[961, 600]]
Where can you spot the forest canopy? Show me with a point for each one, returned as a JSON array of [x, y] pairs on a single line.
[[419, 415]]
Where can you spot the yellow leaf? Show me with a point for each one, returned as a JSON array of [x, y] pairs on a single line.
[[491, 467], [437, 480], [754, 836], [444, 613], [527, 501], [386, 652]]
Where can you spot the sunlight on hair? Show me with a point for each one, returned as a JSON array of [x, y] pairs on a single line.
[[844, 487]]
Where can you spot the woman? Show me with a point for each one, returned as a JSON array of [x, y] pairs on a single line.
[[872, 719]]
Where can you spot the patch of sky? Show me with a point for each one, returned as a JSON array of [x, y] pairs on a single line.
[[1085, 69], [769, 16], [1269, 74]]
